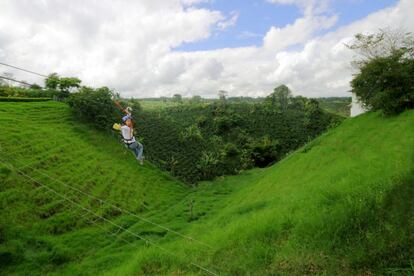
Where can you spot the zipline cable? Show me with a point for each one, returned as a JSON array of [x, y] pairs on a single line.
[[22, 69], [11, 79], [102, 201], [103, 218]]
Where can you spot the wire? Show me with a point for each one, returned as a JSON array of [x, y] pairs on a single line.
[[115, 207], [21, 69], [10, 79], [103, 218]]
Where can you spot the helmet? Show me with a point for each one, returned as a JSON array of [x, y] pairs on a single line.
[[126, 117]]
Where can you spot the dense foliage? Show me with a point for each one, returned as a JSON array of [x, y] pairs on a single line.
[[201, 141], [336, 105], [94, 106], [385, 78], [23, 99], [386, 83], [12, 91], [62, 85]]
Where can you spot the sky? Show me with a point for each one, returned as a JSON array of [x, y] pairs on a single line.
[[153, 48]]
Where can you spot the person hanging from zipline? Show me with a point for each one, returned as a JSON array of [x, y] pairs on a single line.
[[127, 132]]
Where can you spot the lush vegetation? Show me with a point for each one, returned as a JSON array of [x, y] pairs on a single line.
[[385, 79], [340, 205], [23, 99], [200, 141], [336, 105], [95, 106], [22, 92]]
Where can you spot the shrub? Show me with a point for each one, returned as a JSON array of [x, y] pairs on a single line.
[[223, 124], [191, 133], [386, 83], [264, 151], [95, 106], [207, 165]]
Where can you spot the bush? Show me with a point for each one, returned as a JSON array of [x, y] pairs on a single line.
[[386, 83], [95, 106], [191, 133], [265, 151], [207, 165], [11, 91]]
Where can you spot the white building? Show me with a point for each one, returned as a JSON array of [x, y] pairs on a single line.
[[356, 106]]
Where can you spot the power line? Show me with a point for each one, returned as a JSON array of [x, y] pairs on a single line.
[[10, 79], [103, 218], [22, 69]]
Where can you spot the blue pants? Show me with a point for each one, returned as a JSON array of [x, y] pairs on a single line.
[[137, 148]]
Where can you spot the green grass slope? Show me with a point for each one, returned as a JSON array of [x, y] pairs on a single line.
[[342, 204]]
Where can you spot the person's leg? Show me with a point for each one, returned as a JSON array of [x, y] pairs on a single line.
[[134, 148], [140, 150]]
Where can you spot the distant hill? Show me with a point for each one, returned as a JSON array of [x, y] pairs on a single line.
[[340, 205], [336, 105]]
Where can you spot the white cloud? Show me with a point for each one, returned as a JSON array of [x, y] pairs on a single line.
[[229, 22], [309, 7], [115, 43], [300, 31], [128, 45]]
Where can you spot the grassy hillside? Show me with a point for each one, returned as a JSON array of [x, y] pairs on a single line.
[[342, 204]]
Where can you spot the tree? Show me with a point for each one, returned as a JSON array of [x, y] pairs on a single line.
[[207, 164], [386, 83], [264, 151], [222, 94], [381, 44], [64, 85], [94, 106], [177, 98], [35, 87], [69, 84], [298, 102], [52, 81], [196, 99], [386, 67], [280, 98]]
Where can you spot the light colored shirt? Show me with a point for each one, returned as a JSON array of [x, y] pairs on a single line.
[[128, 134]]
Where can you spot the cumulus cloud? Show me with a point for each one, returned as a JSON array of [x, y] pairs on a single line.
[[129, 46], [300, 31]]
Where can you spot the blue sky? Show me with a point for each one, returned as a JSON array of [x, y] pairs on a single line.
[[257, 16]]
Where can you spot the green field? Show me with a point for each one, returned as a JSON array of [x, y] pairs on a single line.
[[75, 202]]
